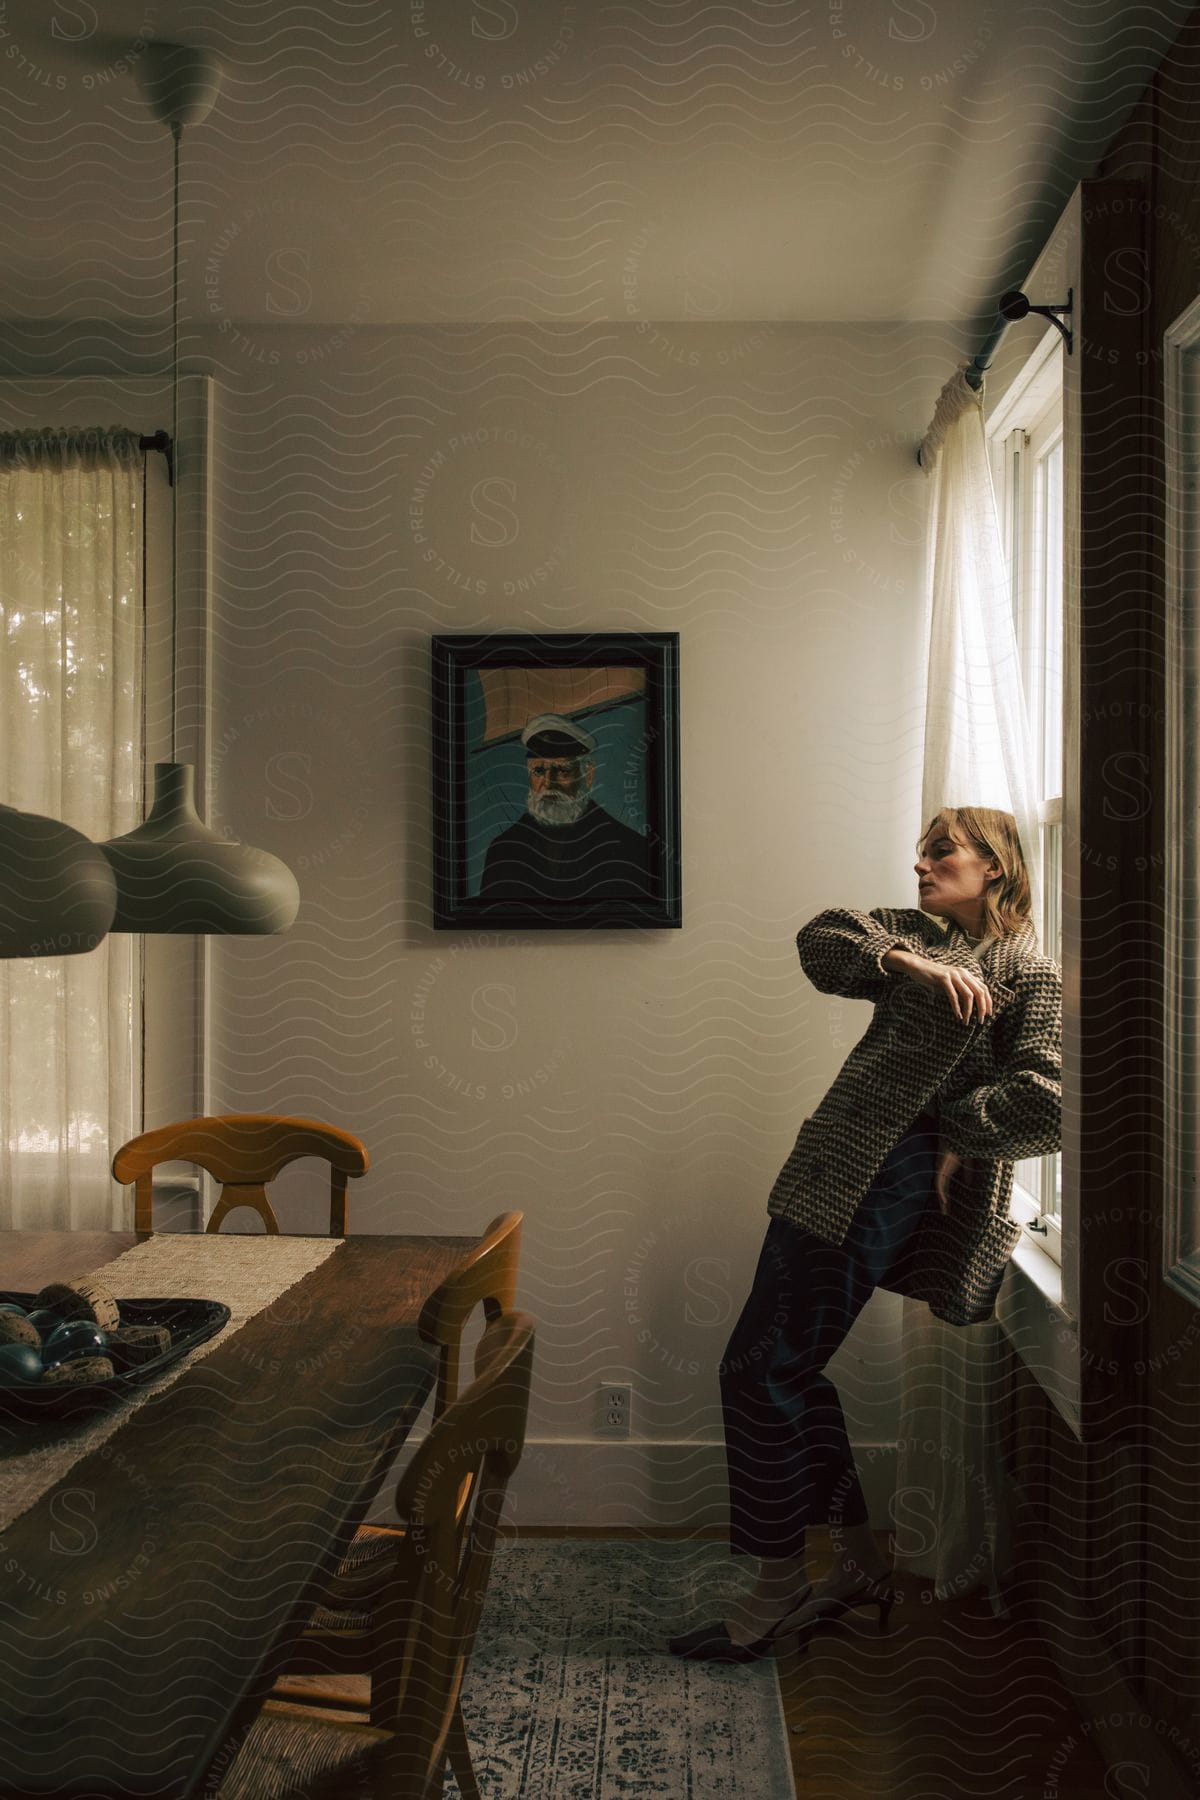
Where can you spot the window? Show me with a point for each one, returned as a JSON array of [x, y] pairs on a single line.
[[160, 1024], [71, 518], [1025, 439]]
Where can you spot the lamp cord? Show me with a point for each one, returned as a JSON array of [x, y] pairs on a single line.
[[176, 133]]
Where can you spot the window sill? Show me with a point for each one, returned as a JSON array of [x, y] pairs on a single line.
[[1042, 1271], [1030, 1311]]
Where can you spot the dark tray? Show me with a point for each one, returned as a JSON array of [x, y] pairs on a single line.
[[190, 1322]]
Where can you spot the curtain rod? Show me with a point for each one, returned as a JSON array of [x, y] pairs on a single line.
[[975, 370], [1013, 306]]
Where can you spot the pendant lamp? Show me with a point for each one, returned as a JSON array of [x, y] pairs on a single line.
[[57, 891], [175, 874]]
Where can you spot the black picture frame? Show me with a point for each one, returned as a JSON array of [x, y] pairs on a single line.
[[619, 688]]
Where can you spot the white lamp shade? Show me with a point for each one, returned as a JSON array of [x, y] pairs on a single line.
[[175, 875], [58, 894], [181, 82]]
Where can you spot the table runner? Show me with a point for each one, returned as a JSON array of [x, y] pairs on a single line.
[[246, 1272]]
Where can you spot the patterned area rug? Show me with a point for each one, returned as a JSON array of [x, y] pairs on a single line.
[[572, 1693]]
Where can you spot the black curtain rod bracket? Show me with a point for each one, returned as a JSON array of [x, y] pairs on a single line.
[[1013, 306]]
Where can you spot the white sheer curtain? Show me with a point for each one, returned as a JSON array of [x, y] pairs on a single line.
[[71, 506], [952, 1506]]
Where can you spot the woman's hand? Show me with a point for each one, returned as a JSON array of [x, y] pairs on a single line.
[[948, 1164], [964, 991]]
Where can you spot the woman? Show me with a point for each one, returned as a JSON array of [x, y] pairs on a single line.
[[900, 1179]]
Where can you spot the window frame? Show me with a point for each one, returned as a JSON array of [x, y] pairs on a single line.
[[1025, 429], [1181, 1062]]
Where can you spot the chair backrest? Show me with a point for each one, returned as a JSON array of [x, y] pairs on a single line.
[[426, 1613], [243, 1151], [486, 1277]]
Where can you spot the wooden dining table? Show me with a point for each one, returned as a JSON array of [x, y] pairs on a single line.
[[151, 1597]]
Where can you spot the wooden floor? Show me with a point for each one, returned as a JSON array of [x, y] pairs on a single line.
[[950, 1704]]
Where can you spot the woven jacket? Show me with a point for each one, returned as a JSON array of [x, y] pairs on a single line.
[[995, 1086]]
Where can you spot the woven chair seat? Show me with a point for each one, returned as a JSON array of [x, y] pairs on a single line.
[[290, 1752], [363, 1562], [368, 1546], [353, 1589], [328, 1618]]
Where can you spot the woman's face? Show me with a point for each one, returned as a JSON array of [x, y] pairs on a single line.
[[952, 879]]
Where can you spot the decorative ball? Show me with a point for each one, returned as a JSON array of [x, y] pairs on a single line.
[[80, 1368], [15, 1328], [44, 1321], [78, 1337], [11, 1306], [63, 1301], [19, 1364]]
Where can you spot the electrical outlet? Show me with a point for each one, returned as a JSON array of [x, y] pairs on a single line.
[[612, 1409]]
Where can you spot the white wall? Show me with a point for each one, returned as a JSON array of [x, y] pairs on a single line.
[[753, 488]]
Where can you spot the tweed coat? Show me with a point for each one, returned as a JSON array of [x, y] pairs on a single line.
[[995, 1086]]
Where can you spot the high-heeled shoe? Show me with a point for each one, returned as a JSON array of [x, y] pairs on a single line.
[[832, 1606], [712, 1643]]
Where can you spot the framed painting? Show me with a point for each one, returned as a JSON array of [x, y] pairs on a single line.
[[556, 779]]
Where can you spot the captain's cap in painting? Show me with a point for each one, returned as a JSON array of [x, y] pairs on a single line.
[[548, 734]]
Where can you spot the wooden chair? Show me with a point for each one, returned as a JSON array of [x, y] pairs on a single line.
[[394, 1735], [243, 1151], [486, 1277]]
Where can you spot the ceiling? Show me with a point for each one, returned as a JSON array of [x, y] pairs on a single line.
[[572, 160]]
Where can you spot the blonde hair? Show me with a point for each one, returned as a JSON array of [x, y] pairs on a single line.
[[1007, 902]]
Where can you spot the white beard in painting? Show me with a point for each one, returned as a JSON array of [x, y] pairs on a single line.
[[556, 809]]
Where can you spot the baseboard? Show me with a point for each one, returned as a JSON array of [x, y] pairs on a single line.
[[632, 1482]]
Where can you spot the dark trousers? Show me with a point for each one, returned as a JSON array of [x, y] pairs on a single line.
[[788, 1455]]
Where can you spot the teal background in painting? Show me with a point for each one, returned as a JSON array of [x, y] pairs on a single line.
[[498, 785]]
